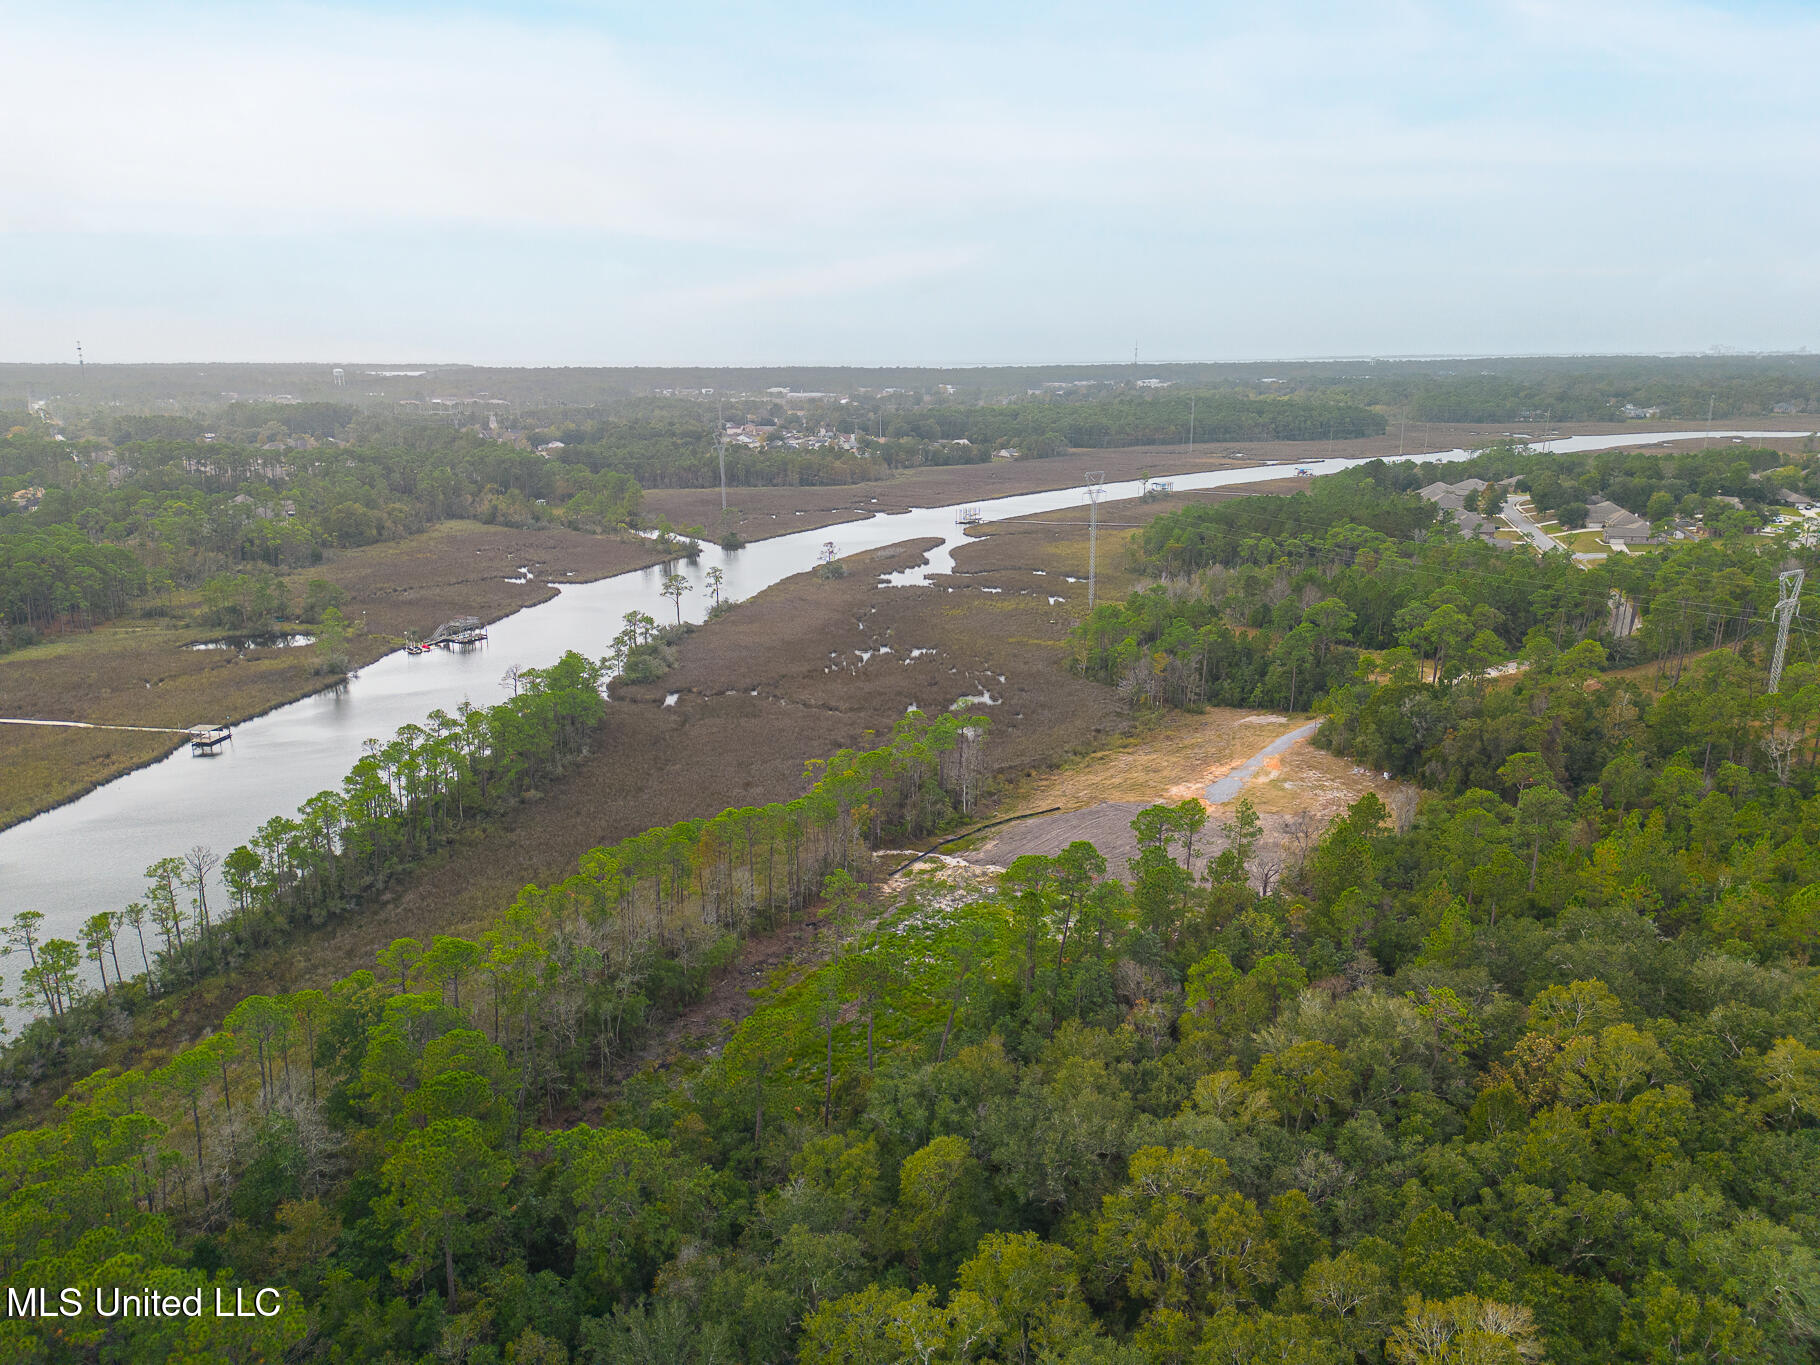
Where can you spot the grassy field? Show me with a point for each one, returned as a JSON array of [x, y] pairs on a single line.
[[140, 671]]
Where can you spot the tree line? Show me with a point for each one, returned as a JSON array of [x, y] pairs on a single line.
[[1260, 596], [117, 524], [1463, 1085]]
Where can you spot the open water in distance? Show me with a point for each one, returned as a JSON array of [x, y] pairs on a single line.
[[91, 854]]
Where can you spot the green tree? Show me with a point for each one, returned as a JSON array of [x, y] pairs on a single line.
[[939, 1190], [1021, 1294], [440, 1188], [675, 585]]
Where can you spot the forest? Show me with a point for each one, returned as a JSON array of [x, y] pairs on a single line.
[[1439, 389], [1527, 1073], [119, 526], [1536, 1078], [1052, 426], [671, 444], [1254, 597]]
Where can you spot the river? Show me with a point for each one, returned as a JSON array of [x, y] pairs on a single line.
[[91, 854]]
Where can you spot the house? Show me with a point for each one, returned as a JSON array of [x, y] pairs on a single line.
[[1451, 497], [1627, 528], [1472, 524], [1632, 410], [1620, 527], [1601, 510]]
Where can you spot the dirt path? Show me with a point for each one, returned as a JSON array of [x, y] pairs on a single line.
[[1296, 789]]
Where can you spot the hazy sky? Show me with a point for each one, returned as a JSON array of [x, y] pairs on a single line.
[[672, 182]]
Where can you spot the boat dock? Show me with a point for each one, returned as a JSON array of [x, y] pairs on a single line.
[[206, 739], [463, 630]]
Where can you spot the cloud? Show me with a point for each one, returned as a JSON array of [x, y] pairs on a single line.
[[1083, 178]]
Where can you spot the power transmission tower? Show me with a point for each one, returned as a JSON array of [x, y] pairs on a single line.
[[1094, 492], [1788, 603]]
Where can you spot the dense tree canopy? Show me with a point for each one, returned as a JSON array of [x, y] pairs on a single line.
[[1527, 1070]]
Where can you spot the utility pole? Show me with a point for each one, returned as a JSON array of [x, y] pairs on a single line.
[[720, 445], [1709, 430], [1788, 603], [1094, 492], [1191, 426]]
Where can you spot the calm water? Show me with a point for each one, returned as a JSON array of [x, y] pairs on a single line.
[[92, 854]]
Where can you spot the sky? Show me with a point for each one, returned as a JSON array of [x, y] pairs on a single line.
[[941, 183]]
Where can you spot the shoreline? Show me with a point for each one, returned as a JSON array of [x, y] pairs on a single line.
[[381, 644], [1012, 478]]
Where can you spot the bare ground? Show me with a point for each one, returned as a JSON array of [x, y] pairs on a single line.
[[1297, 794]]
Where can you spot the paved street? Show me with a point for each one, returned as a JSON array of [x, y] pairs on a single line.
[[1534, 534]]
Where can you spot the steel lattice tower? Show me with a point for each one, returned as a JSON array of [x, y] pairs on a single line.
[[1094, 490], [1788, 605]]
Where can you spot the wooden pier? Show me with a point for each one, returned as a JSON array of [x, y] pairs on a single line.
[[207, 739], [463, 630]]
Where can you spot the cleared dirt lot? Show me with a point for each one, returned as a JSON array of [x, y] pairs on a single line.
[[1296, 793]]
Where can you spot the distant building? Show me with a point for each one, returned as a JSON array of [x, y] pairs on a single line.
[[1632, 410], [1619, 527], [1451, 498], [1601, 510]]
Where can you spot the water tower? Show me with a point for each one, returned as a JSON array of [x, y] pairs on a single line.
[[341, 378]]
